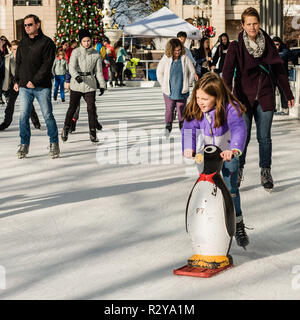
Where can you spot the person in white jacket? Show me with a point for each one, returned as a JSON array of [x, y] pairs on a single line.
[[85, 66], [175, 73]]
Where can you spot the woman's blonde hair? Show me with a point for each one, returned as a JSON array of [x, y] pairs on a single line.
[[171, 46], [213, 85]]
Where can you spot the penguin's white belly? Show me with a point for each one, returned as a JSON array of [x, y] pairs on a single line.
[[206, 221]]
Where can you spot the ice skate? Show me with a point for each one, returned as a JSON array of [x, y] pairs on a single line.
[[266, 179], [54, 150], [64, 133], [3, 126], [98, 125], [72, 126], [23, 151], [93, 136], [168, 129], [241, 237], [240, 176]]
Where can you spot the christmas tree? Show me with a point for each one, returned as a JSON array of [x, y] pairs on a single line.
[[73, 15]]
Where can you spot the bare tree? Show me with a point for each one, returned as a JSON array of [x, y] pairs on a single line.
[[131, 10]]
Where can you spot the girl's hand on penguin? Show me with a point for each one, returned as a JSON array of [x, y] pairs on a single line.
[[226, 155], [189, 153]]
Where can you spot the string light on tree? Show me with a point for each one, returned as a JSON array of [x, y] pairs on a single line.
[[74, 15]]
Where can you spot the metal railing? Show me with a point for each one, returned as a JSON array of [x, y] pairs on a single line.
[[294, 80], [147, 62]]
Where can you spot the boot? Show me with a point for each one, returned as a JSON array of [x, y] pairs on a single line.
[[23, 151], [241, 235], [73, 126], [93, 136], [64, 133], [266, 179], [54, 150]]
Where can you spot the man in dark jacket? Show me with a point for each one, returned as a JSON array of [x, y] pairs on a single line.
[[286, 55], [253, 61], [34, 60]]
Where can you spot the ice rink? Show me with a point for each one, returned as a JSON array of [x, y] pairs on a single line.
[[101, 222]]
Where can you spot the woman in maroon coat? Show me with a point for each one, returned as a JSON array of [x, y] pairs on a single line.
[[253, 62]]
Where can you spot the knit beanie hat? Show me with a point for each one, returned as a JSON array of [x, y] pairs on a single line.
[[84, 33]]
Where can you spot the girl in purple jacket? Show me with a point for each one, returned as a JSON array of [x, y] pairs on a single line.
[[214, 116]]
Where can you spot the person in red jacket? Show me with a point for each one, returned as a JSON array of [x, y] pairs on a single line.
[[68, 51], [112, 57], [253, 61]]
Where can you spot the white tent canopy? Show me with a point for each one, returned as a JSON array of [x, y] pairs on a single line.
[[162, 23]]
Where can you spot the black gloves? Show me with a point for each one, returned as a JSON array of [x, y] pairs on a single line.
[[101, 91], [79, 79]]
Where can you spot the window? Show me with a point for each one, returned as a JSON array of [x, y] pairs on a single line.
[[185, 2], [245, 2], [28, 2], [195, 2]]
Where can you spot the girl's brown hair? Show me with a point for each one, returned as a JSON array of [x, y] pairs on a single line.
[[213, 85], [15, 42], [250, 12], [171, 46]]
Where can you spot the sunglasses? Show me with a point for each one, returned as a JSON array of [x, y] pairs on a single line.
[[28, 25], [3, 39]]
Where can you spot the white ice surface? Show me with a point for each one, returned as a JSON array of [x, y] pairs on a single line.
[[73, 228]]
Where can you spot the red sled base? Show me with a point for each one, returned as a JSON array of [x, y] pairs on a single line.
[[199, 272]]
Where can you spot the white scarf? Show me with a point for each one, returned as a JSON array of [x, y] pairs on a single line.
[[255, 48]]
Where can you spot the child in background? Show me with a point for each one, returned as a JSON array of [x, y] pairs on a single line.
[[59, 70], [105, 61], [215, 115], [8, 85]]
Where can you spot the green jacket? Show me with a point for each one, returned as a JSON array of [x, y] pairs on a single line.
[[121, 55]]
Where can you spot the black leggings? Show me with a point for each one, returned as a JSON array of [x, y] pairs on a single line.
[[120, 66], [89, 98]]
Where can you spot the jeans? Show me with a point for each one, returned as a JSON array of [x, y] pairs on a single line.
[[10, 108], [230, 174], [263, 122], [43, 96], [59, 82]]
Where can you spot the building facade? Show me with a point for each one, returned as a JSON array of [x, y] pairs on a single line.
[[224, 15], [12, 13]]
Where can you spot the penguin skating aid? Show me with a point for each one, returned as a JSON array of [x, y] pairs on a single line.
[[210, 219]]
